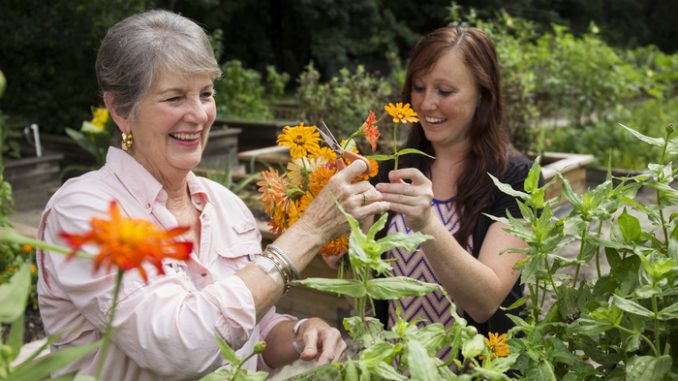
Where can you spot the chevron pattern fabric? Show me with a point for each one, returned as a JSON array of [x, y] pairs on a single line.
[[431, 308]]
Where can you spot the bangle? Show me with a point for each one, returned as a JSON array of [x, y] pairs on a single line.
[[269, 268], [277, 251], [295, 332], [297, 326], [281, 267]]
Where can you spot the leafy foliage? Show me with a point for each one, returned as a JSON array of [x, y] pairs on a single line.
[[623, 320], [342, 101]]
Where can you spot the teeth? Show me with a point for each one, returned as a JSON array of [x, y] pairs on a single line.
[[184, 136], [434, 120]]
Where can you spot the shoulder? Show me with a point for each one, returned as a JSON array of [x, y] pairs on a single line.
[[517, 168], [92, 189]]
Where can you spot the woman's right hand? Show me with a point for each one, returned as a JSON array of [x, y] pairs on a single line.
[[359, 199]]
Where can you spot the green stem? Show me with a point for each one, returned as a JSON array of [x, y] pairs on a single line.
[[657, 338], [237, 368], [600, 229], [534, 292], [624, 329], [550, 277], [580, 255], [108, 332], [10, 235], [395, 144]]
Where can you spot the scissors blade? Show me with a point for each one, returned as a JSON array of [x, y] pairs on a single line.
[[329, 138]]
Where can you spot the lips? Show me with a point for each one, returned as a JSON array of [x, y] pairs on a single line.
[[432, 120], [184, 136]]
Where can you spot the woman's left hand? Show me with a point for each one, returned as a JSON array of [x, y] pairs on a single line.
[[410, 193], [320, 342]]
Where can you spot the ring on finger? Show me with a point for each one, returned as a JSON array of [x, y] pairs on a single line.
[[365, 199]]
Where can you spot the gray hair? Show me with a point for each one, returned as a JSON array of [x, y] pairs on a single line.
[[137, 48]]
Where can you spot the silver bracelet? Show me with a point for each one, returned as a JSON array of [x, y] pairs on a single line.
[[295, 332], [270, 267], [281, 267], [276, 250]]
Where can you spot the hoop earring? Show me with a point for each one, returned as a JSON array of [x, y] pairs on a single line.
[[127, 141]]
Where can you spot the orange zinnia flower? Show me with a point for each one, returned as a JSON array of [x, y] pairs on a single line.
[[319, 178], [371, 130], [401, 114], [127, 242], [272, 187], [497, 344], [338, 246]]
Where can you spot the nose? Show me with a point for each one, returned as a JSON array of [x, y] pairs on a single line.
[[197, 111], [429, 101]]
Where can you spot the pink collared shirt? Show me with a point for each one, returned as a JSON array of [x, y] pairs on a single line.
[[164, 329]]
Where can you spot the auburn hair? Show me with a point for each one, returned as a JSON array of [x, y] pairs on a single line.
[[489, 137]]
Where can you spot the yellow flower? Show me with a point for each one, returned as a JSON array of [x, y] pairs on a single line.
[[302, 140], [497, 344], [400, 113], [100, 117], [326, 153]]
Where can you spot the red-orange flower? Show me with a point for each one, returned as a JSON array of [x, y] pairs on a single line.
[[338, 246], [127, 242], [371, 130]]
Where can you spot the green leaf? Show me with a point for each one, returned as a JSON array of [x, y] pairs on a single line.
[[670, 312], [349, 287], [13, 294], [380, 157], [408, 242], [589, 327], [629, 226], [658, 142], [387, 372], [377, 226], [226, 351], [376, 353], [407, 151], [398, 287], [532, 181], [422, 366], [219, 375], [41, 367], [631, 307], [506, 188], [16, 336], [648, 368], [473, 347]]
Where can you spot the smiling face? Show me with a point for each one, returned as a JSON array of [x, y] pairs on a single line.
[[171, 123], [445, 99]]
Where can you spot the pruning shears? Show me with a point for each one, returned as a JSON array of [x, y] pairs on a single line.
[[344, 157]]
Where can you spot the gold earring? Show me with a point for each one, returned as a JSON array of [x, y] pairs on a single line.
[[127, 141]]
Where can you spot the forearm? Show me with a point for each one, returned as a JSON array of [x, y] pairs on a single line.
[[473, 285], [300, 245], [279, 350]]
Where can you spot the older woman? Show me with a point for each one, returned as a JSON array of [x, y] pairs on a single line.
[[156, 73]]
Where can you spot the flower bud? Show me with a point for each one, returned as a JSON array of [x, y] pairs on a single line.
[[259, 347]]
